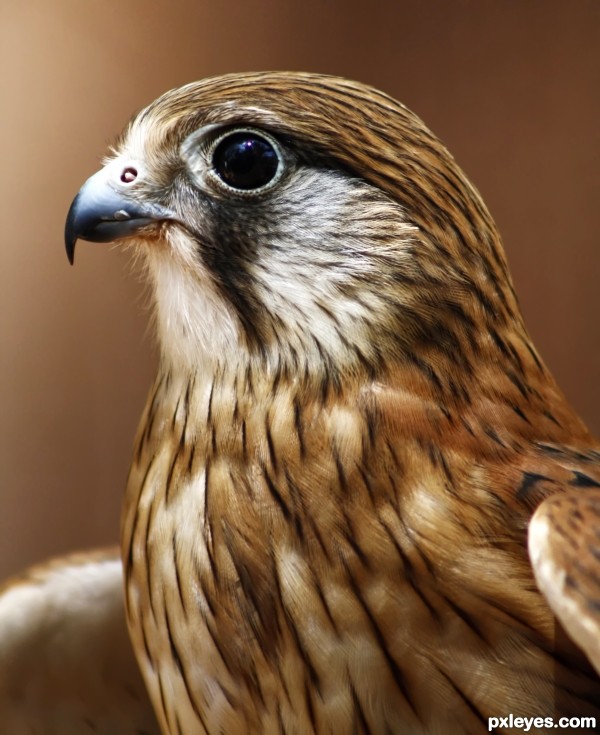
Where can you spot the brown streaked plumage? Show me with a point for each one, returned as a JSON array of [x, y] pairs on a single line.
[[564, 545], [326, 520]]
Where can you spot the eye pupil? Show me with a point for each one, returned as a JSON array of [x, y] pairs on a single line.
[[245, 160]]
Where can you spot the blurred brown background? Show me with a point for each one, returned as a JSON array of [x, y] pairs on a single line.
[[512, 87]]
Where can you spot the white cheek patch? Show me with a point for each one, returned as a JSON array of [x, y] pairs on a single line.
[[196, 325], [318, 272]]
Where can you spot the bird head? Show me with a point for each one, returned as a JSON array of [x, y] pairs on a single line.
[[304, 221]]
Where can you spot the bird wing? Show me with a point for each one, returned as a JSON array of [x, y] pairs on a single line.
[[564, 547], [66, 664]]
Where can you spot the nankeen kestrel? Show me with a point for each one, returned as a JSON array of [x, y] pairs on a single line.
[[351, 441]]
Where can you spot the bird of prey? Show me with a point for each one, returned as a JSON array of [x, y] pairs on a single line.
[[358, 502]]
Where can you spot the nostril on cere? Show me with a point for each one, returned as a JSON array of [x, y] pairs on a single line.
[[129, 175]]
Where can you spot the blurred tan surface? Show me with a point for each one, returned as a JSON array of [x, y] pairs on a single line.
[[512, 88]]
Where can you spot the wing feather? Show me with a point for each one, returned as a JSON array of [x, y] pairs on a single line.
[[66, 664], [564, 547]]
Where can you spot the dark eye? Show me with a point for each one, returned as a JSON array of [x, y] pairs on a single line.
[[246, 160]]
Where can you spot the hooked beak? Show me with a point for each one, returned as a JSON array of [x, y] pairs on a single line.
[[104, 210]]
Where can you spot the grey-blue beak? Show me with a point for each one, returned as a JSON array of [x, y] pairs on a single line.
[[104, 211]]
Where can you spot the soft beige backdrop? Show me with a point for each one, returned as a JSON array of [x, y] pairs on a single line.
[[512, 86]]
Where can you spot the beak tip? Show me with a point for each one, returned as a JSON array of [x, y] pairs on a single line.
[[71, 230], [70, 242]]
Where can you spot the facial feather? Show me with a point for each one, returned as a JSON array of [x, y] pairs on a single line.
[[326, 515], [254, 249], [196, 325]]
